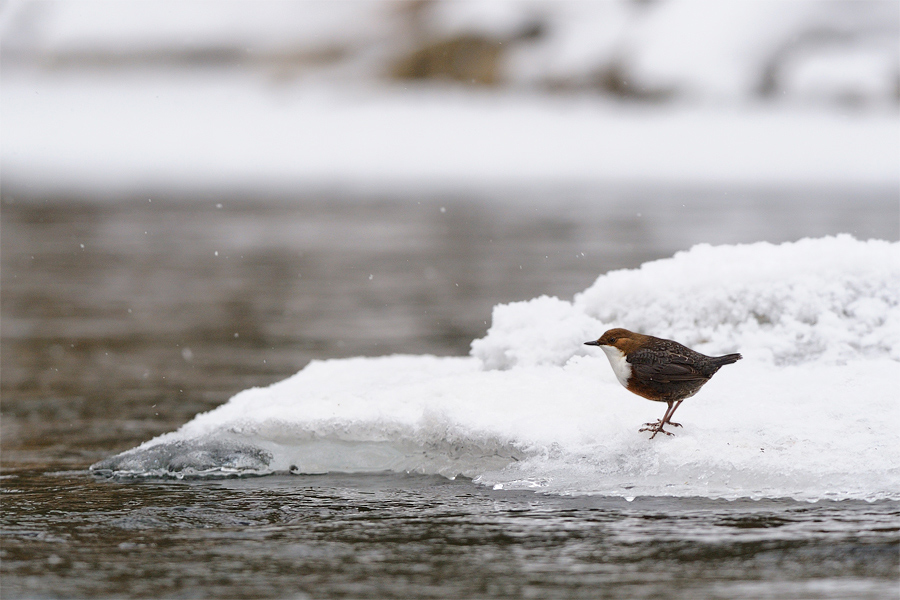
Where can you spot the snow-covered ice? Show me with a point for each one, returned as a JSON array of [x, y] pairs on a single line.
[[809, 413]]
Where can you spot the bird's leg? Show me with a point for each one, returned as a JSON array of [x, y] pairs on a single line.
[[672, 423], [658, 426]]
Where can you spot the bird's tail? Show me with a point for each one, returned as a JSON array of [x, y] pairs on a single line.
[[727, 359]]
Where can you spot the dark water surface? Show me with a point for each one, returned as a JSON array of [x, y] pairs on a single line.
[[396, 536], [122, 319]]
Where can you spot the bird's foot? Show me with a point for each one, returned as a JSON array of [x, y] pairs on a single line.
[[661, 430], [657, 428], [655, 424]]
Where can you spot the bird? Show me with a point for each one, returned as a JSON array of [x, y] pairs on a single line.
[[658, 369]]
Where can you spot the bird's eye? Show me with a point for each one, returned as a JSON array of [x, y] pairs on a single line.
[[613, 340]]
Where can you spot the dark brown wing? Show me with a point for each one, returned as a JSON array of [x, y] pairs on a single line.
[[665, 367]]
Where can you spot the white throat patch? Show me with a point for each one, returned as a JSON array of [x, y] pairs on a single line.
[[619, 365]]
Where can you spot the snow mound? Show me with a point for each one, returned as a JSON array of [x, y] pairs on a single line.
[[832, 299]]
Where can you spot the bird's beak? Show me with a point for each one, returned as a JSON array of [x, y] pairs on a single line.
[[595, 343]]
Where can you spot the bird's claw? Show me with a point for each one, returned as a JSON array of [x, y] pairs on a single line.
[[656, 424], [657, 427], [655, 430]]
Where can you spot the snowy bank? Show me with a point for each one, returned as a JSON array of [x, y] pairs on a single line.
[[139, 133], [808, 413]]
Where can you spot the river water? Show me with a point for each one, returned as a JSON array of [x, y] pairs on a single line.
[[124, 317]]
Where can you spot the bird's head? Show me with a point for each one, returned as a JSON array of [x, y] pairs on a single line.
[[619, 338]]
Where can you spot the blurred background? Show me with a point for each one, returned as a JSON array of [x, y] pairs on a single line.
[[202, 196], [110, 96]]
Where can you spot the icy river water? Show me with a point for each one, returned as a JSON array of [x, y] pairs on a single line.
[[123, 318]]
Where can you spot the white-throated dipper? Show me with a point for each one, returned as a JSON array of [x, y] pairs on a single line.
[[658, 369]]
